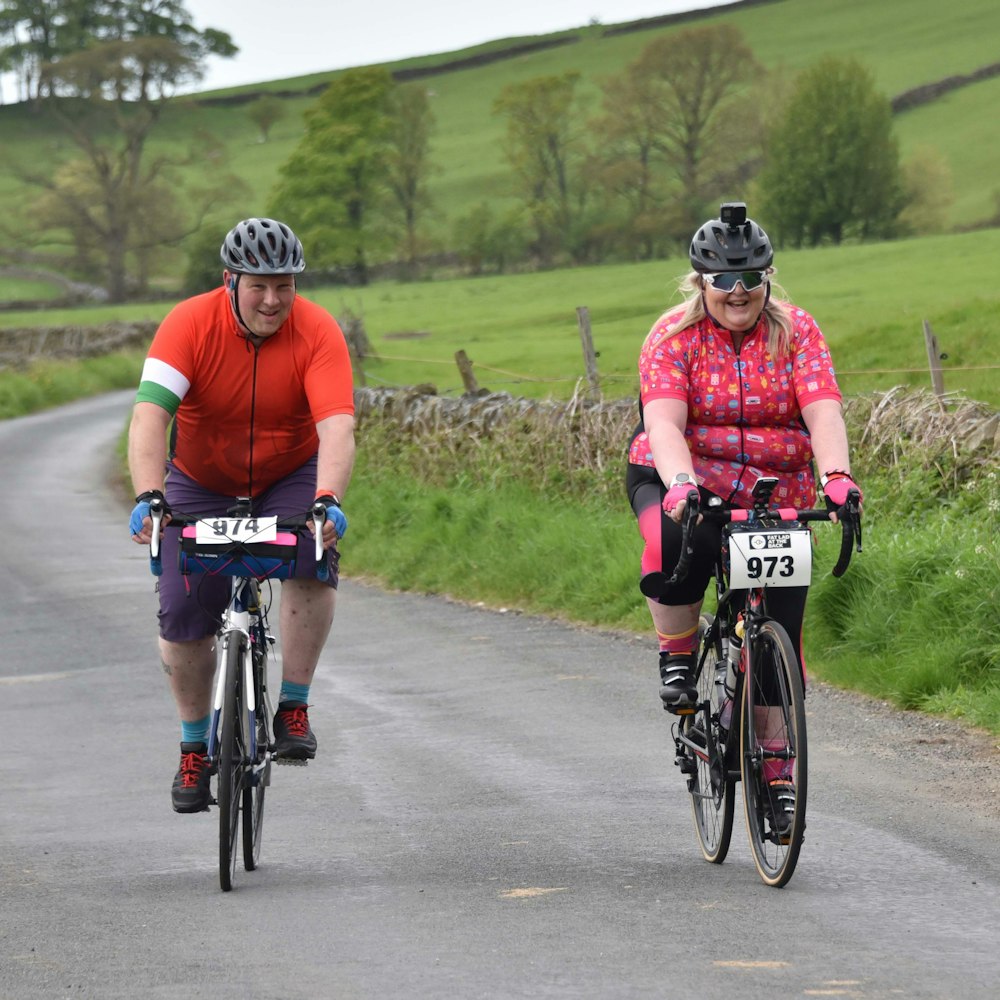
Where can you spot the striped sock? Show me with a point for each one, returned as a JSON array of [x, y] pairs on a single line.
[[195, 732], [293, 692], [684, 642]]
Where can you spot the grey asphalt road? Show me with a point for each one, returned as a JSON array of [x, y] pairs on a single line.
[[494, 811]]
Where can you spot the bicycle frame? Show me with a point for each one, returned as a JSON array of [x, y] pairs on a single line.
[[242, 617]]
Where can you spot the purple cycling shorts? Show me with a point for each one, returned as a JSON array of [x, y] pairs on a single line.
[[191, 606]]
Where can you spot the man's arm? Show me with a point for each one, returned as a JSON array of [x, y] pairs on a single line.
[[147, 447], [336, 454], [334, 463]]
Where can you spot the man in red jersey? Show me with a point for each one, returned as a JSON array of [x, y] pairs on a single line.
[[254, 384]]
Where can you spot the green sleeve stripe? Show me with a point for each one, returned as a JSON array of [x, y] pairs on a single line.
[[152, 392]]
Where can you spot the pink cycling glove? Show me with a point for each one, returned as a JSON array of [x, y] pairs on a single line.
[[837, 486], [675, 495]]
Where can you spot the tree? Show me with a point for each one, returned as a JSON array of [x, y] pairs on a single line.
[[832, 169], [334, 186], [108, 91], [544, 148], [930, 192], [691, 83], [408, 162], [625, 164], [265, 112]]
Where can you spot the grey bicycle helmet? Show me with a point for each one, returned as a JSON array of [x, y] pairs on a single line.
[[731, 243], [262, 246]]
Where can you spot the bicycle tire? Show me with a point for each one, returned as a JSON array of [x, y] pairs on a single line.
[[231, 758], [774, 682], [712, 790], [259, 775]]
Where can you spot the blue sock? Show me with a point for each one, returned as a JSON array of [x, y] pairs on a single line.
[[195, 732], [293, 692]]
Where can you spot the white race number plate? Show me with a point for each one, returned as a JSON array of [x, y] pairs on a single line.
[[225, 530], [771, 558]]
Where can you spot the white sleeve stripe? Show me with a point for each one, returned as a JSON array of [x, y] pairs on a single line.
[[154, 370]]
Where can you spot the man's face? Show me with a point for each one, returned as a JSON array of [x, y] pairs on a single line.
[[264, 300]]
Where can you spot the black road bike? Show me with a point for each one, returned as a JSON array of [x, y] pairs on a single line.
[[749, 724]]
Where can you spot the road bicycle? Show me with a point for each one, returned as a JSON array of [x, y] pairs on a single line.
[[749, 723], [250, 550]]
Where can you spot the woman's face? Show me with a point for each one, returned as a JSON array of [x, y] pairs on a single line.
[[737, 310]]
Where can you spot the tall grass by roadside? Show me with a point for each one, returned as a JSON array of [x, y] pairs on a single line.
[[50, 383]]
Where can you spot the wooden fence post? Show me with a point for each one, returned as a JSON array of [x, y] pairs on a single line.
[[465, 368], [589, 354], [934, 357]]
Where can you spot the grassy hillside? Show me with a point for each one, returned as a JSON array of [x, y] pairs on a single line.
[[906, 43], [521, 330]]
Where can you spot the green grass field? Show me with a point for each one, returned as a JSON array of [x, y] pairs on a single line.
[[521, 333]]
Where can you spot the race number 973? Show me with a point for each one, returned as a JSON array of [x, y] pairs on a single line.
[[770, 558]]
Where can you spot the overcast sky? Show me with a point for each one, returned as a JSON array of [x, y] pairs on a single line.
[[279, 40]]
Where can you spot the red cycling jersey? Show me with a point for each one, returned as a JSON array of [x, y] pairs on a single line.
[[744, 409], [229, 398]]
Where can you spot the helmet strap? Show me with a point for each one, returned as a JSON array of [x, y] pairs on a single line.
[[232, 285]]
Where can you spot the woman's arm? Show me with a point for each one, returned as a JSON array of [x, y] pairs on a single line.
[[665, 421], [828, 434]]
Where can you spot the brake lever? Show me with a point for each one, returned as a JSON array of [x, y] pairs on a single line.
[[319, 519], [156, 510]]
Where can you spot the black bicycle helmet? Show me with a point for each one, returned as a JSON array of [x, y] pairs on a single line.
[[731, 243], [262, 246]]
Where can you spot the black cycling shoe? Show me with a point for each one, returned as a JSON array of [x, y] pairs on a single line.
[[190, 792], [677, 690], [293, 736], [779, 806]]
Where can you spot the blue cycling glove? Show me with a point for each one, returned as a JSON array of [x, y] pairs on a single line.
[[141, 509], [334, 513], [139, 512]]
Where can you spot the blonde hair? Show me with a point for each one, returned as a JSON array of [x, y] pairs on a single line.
[[779, 323]]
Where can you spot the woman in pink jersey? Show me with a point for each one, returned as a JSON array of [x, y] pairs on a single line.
[[735, 383]]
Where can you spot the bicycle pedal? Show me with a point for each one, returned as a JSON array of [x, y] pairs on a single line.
[[290, 761]]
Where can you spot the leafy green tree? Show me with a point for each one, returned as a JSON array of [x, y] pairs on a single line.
[[265, 113], [698, 81], [930, 192], [832, 169], [334, 186], [409, 163], [110, 71], [545, 149], [485, 241]]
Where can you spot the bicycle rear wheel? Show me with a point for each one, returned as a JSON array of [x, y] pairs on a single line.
[[773, 747], [259, 775], [232, 754], [712, 790]]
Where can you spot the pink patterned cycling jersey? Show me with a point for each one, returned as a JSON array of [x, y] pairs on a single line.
[[744, 409]]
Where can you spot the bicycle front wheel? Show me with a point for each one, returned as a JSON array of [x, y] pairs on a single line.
[[712, 791], [773, 759], [259, 775], [232, 755]]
